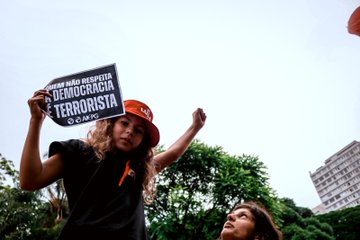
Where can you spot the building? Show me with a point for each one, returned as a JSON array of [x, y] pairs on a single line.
[[338, 181], [319, 209]]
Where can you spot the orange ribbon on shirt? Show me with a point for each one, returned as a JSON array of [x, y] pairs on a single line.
[[126, 171]]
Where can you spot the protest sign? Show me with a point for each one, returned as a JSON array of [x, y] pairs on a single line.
[[85, 96]]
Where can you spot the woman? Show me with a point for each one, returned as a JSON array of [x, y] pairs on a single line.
[[249, 221]]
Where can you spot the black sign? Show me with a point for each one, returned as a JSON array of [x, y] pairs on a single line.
[[85, 96]]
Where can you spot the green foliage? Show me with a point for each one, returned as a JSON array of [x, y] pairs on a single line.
[[310, 232], [315, 223], [7, 170], [196, 192], [345, 223], [300, 223], [292, 230], [289, 216], [23, 214]]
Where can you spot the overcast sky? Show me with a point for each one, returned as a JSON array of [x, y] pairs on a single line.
[[277, 79]]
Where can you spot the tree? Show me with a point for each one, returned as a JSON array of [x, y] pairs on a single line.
[[23, 214], [7, 170], [196, 192], [58, 200], [300, 223], [345, 222]]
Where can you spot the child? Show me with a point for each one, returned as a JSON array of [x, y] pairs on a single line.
[[106, 176]]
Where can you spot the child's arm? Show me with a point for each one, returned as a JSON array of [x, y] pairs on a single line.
[[35, 174], [171, 154]]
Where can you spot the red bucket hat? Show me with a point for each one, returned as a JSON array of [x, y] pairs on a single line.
[[140, 109], [354, 22]]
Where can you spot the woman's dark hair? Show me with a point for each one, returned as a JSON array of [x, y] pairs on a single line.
[[265, 227]]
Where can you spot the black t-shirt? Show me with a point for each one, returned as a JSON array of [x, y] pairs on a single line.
[[100, 209]]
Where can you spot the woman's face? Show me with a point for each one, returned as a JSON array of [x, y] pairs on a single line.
[[128, 132], [240, 225]]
